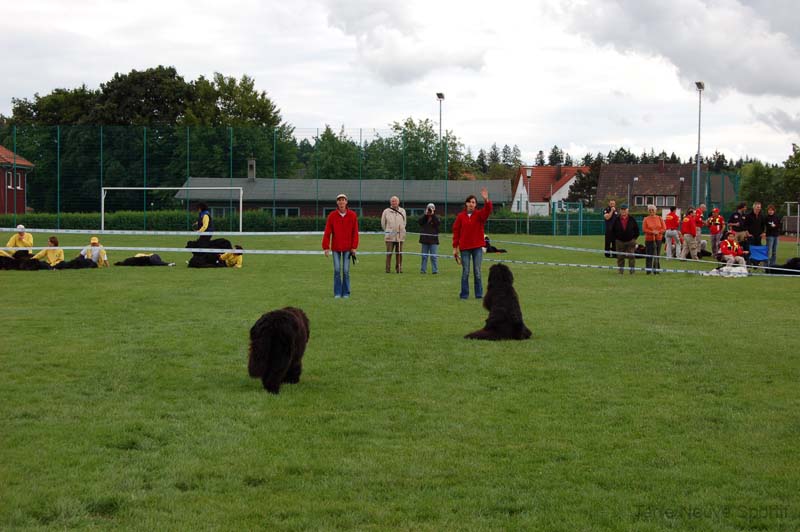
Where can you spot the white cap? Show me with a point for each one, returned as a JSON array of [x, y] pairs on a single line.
[[20, 227], [431, 206]]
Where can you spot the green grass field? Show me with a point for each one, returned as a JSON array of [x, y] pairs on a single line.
[[641, 403]]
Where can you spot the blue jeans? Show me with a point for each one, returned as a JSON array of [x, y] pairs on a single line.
[[476, 255], [772, 250], [432, 250], [341, 274]]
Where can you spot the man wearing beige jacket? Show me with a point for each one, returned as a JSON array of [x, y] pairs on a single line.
[[393, 222]]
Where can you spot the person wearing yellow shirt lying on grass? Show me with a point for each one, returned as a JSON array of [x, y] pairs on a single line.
[[52, 254], [232, 259]]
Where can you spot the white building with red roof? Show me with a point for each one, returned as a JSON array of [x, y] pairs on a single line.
[[535, 188]]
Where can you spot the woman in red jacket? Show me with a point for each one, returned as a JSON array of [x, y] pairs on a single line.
[[468, 239], [341, 237]]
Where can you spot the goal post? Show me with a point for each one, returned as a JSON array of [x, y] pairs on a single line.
[[104, 190]]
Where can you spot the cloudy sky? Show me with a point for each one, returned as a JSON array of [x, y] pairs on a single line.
[[587, 75]]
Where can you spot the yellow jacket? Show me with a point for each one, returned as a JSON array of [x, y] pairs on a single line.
[[54, 255], [232, 260], [26, 241]]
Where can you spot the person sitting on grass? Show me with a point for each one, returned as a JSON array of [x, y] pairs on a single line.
[[92, 256], [731, 251], [52, 254]]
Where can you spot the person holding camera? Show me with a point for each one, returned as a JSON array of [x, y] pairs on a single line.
[[429, 238], [609, 215]]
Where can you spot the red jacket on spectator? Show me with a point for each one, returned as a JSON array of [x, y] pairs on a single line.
[[688, 226], [716, 223], [728, 247], [468, 230], [698, 219], [344, 230], [672, 221]]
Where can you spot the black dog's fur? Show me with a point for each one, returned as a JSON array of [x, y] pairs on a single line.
[[277, 343], [505, 316], [204, 259], [791, 264]]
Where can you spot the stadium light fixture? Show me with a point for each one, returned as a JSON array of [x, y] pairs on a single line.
[[440, 97], [700, 88]]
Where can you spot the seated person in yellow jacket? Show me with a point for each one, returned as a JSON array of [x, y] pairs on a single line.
[[232, 259], [20, 239], [52, 254], [92, 256]]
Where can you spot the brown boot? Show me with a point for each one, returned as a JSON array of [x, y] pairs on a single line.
[[388, 263], [399, 263]]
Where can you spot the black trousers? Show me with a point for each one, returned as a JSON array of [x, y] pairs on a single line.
[[610, 244]]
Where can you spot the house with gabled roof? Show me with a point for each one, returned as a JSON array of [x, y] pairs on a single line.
[[661, 184], [14, 171], [535, 188]]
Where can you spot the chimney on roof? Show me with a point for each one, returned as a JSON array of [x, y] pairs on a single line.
[[661, 166], [251, 168]]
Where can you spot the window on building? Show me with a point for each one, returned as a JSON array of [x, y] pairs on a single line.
[[221, 212], [638, 200], [19, 180], [670, 201], [9, 179], [660, 201], [650, 200], [283, 212]]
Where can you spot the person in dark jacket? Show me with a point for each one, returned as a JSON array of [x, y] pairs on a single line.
[[756, 224], [429, 238], [610, 214], [204, 224], [773, 233], [625, 231], [736, 222]]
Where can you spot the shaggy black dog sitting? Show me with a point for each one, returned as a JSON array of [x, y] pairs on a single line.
[[505, 316], [207, 260], [144, 259], [277, 343]]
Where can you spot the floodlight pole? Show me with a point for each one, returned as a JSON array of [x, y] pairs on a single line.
[[700, 87]]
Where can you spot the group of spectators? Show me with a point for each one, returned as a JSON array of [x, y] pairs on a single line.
[[730, 241], [340, 239]]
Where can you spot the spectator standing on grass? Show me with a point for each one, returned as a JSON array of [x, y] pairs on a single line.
[[673, 235], [716, 226], [341, 238], [654, 228], [429, 238], [205, 223], [468, 240], [52, 254], [625, 232], [756, 224], [736, 222], [689, 233], [393, 222], [610, 214], [699, 222], [732, 251], [773, 233]]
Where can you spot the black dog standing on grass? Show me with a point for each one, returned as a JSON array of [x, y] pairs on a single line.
[[277, 343], [505, 316]]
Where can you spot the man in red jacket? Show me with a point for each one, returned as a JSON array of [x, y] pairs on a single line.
[[689, 232], [673, 236], [341, 237], [468, 240]]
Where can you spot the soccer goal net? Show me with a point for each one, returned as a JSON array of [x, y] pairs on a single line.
[[105, 191]]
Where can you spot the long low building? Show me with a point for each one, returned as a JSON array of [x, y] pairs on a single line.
[[317, 197]]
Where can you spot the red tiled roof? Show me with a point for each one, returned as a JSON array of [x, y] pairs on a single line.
[[7, 157], [545, 179], [653, 180]]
